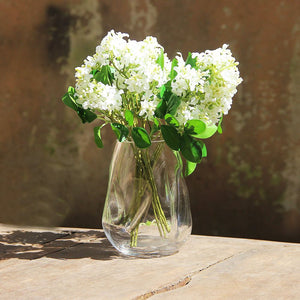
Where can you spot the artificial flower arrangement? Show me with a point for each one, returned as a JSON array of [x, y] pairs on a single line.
[[144, 96]]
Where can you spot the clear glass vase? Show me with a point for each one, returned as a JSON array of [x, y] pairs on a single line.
[[147, 210]]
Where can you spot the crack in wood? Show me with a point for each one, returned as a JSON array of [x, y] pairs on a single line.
[[180, 283], [169, 287]]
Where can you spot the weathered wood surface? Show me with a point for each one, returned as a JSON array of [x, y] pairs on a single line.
[[69, 263]]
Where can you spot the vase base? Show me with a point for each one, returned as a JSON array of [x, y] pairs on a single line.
[[146, 253], [148, 245]]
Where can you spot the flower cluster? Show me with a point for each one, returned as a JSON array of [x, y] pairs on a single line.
[[136, 75], [135, 87], [205, 86]]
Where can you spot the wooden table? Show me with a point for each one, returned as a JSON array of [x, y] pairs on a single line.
[[69, 263]]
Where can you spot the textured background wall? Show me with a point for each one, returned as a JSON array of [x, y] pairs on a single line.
[[53, 174]]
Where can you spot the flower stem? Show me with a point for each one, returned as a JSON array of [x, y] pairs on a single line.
[[145, 179]]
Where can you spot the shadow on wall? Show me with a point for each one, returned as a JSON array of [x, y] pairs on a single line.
[[53, 174]]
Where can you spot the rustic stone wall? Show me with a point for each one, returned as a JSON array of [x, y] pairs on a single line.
[[53, 174]]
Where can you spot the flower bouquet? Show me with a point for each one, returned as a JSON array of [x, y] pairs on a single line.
[[160, 110]]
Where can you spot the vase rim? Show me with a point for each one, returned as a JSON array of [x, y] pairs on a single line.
[[152, 142]]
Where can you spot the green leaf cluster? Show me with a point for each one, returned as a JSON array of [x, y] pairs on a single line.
[[104, 75], [141, 137], [187, 142], [120, 130], [168, 104]]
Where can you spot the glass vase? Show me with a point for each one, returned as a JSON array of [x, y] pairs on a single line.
[[147, 210]]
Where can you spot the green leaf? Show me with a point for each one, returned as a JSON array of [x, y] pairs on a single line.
[[203, 148], [189, 168], [71, 91], [140, 137], [171, 120], [156, 122], [194, 127], [172, 104], [155, 126], [97, 136], [129, 117], [120, 130], [208, 132], [220, 130], [171, 136], [86, 115], [191, 61], [161, 109], [191, 149], [68, 100], [162, 91], [161, 59], [173, 73], [104, 75], [94, 72]]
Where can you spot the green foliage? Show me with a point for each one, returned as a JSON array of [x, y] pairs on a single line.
[[190, 168], [173, 73], [203, 148], [161, 109], [191, 149], [220, 130], [172, 104], [156, 122], [97, 136], [68, 98], [85, 114], [171, 137], [129, 117], [191, 61], [169, 102], [171, 120], [162, 91], [140, 137], [120, 130], [105, 75], [194, 127], [155, 126], [161, 59], [207, 133]]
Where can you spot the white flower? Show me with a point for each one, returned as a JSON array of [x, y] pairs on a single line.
[[148, 106], [136, 70], [188, 79], [205, 90]]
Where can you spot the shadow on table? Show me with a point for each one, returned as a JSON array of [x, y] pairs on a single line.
[[59, 245]]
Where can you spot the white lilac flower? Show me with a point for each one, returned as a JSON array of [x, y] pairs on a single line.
[[208, 89], [188, 79], [148, 106], [135, 70], [205, 90]]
